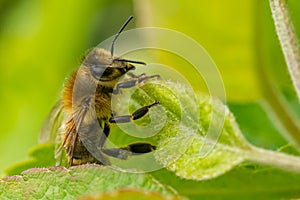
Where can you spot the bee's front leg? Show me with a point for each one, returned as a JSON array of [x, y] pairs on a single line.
[[132, 75], [133, 82]]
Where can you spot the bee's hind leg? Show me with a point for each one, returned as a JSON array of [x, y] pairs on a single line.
[[131, 150]]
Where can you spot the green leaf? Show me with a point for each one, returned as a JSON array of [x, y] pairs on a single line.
[[62, 183], [185, 134], [245, 182], [124, 194]]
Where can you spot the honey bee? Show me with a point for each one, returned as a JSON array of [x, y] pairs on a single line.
[[81, 120]]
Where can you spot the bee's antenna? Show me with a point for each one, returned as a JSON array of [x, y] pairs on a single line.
[[119, 32], [130, 61]]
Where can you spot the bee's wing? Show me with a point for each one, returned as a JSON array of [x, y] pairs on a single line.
[[52, 130], [52, 123]]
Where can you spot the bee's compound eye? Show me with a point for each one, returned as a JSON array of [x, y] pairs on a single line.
[[97, 71]]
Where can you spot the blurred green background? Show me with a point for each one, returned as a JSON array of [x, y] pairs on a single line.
[[41, 43]]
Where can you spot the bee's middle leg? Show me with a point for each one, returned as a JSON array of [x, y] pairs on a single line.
[[106, 131], [135, 115]]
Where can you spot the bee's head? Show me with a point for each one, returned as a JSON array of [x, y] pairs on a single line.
[[104, 67]]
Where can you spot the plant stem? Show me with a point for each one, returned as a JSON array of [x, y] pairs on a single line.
[[276, 106], [288, 40], [274, 159]]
